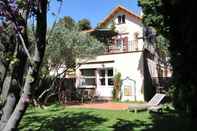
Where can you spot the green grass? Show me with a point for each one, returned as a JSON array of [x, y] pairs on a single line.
[[59, 118]]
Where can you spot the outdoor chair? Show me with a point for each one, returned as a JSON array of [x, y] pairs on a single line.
[[152, 105]]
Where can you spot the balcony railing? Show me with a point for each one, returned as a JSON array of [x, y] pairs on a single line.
[[132, 46]]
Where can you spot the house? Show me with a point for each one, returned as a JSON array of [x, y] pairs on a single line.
[[126, 55]]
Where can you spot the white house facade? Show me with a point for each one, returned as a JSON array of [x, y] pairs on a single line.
[[125, 56]]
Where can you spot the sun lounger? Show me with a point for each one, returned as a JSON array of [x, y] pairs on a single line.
[[153, 104]]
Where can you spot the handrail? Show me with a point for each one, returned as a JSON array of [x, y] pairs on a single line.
[[132, 46]]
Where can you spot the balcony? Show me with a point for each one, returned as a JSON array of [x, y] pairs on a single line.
[[131, 46]]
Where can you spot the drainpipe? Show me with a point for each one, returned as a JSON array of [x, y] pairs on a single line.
[[135, 97]]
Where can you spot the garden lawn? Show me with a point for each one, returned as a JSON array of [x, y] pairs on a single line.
[[59, 118]]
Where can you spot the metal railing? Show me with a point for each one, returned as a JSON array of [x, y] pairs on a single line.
[[132, 46]]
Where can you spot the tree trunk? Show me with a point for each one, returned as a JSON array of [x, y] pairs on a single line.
[[6, 86], [10, 92], [33, 69], [7, 110], [3, 72], [11, 89]]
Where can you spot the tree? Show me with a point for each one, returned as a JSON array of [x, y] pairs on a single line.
[[84, 24], [22, 75], [174, 20], [67, 22], [153, 20], [117, 86], [64, 47], [68, 45], [6, 50], [8, 63]]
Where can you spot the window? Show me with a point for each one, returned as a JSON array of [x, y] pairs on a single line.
[[88, 72], [106, 77], [110, 74], [102, 77], [121, 19], [88, 77], [110, 81], [102, 73], [88, 82], [119, 43], [102, 81]]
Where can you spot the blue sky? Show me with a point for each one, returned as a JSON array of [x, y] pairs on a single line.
[[94, 10]]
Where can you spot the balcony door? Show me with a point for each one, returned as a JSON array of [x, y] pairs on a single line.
[[119, 44]]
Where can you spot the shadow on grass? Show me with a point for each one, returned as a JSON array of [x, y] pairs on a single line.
[[169, 122], [85, 120], [73, 122], [82, 121], [126, 125]]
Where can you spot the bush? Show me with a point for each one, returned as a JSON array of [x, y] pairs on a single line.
[[117, 86]]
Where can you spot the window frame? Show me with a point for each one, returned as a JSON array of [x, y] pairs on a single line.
[[83, 77], [121, 19], [106, 77]]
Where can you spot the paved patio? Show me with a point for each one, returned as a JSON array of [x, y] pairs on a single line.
[[104, 105]]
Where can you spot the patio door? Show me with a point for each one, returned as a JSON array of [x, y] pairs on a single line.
[[105, 82]]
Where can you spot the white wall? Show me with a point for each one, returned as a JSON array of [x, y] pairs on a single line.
[[131, 65], [130, 27], [128, 64]]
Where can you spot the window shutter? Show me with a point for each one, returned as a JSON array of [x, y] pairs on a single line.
[[125, 44], [113, 42], [112, 45]]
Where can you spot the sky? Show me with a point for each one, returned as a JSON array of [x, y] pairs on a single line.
[[94, 10]]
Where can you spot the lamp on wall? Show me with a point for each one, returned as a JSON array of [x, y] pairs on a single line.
[[103, 65]]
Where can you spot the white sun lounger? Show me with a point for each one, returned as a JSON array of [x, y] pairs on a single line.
[[153, 104]]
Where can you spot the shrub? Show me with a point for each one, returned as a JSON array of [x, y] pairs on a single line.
[[117, 86]]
